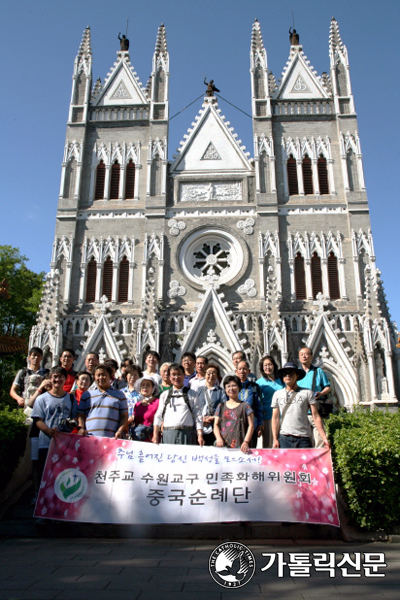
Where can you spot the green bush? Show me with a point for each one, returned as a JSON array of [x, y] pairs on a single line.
[[365, 454], [13, 431]]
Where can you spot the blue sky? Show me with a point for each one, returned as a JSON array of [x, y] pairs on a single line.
[[39, 40]]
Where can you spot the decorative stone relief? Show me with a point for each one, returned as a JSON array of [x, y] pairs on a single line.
[[248, 289], [121, 91], [211, 153], [300, 85], [247, 225], [176, 226], [211, 337], [204, 192], [175, 290]]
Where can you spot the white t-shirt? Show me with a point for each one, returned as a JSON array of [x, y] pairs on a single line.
[[293, 408]]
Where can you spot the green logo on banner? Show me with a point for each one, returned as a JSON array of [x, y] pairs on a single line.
[[71, 485]]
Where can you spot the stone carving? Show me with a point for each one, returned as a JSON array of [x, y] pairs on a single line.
[[121, 91], [320, 302], [248, 289], [211, 336], [175, 290], [247, 225], [102, 355], [211, 153], [176, 226], [300, 85], [380, 375], [198, 192]]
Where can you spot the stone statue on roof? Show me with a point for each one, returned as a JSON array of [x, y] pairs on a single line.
[[124, 43], [210, 88], [294, 37]]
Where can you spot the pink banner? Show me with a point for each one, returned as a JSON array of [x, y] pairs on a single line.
[[102, 480]]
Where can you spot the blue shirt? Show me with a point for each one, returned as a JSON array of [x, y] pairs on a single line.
[[268, 388], [103, 411], [251, 393], [321, 380], [52, 410], [131, 398]]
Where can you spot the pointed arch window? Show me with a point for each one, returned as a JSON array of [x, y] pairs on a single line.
[[123, 280], [307, 175], [316, 274], [352, 171], [155, 188], [299, 277], [292, 176], [333, 277], [91, 275], [107, 278], [323, 175], [70, 178], [264, 175], [160, 85], [259, 87], [80, 89], [130, 180], [341, 79], [114, 185], [100, 180]]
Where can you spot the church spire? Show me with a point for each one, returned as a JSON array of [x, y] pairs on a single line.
[[159, 78], [81, 80], [85, 49], [340, 71], [261, 101]]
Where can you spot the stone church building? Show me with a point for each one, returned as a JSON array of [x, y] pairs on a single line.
[[219, 249]]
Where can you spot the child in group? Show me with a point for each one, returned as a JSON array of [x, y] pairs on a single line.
[[234, 419], [50, 410]]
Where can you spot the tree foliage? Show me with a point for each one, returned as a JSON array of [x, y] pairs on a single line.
[[18, 313]]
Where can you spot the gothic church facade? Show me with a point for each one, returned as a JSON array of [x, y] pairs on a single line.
[[218, 250]]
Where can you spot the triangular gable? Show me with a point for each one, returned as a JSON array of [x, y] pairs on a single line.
[[299, 80], [211, 145], [101, 335], [211, 301], [121, 87], [340, 366]]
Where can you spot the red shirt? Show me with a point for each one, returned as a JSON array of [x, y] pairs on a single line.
[[69, 382]]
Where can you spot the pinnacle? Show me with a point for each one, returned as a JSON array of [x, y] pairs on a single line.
[[335, 41], [256, 36], [161, 41], [85, 45]]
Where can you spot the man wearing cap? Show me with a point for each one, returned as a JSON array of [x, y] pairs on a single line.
[[290, 425]]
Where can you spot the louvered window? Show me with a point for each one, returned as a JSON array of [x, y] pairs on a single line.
[[114, 186], [300, 277], [130, 180], [323, 176], [316, 274], [91, 274], [107, 278], [292, 176], [123, 280], [100, 179], [333, 277], [307, 176]]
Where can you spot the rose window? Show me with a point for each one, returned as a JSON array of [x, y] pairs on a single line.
[[211, 257]]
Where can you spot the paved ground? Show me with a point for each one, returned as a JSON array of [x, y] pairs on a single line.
[[103, 569]]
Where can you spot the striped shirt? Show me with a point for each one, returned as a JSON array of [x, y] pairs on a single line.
[[103, 411]]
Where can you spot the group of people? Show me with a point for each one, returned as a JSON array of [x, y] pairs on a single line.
[[191, 402]]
